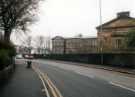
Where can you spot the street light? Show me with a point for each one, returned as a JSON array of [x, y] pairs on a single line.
[[100, 18]]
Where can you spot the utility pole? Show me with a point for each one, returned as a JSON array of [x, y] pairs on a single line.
[[101, 29]]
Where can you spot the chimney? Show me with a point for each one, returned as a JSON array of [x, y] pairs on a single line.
[[123, 14]]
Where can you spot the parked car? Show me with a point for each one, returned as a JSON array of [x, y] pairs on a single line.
[[19, 56], [29, 56]]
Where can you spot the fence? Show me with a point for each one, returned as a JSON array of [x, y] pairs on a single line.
[[119, 60]]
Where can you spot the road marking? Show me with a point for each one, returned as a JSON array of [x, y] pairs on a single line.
[[56, 89], [118, 85], [46, 81], [45, 88], [52, 89], [84, 74]]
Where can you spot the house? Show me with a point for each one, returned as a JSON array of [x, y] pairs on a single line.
[[112, 35], [111, 38]]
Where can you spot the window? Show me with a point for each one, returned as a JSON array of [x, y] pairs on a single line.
[[118, 43]]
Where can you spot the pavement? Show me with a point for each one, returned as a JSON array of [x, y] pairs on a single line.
[[23, 83], [80, 81]]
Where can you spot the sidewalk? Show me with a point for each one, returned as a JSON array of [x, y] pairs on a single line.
[[23, 83], [109, 68]]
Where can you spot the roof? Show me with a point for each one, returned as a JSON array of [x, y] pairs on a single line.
[[57, 37], [76, 39], [67, 38], [83, 38], [119, 22]]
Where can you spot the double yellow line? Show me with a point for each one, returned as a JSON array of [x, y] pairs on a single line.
[[50, 89]]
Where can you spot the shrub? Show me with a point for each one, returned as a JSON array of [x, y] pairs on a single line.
[[9, 47], [4, 59], [131, 39], [7, 51]]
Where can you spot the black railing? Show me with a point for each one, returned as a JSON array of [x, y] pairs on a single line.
[[110, 59]]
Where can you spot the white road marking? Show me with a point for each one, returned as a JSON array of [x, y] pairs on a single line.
[[124, 87], [84, 74]]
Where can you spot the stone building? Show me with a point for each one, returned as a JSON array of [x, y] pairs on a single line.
[[112, 35], [81, 45], [62, 45], [58, 45]]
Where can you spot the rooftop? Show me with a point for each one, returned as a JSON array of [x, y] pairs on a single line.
[[123, 19]]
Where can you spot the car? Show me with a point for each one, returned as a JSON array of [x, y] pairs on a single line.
[[29, 56], [19, 56]]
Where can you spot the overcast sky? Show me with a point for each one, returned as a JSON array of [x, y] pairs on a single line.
[[70, 17]]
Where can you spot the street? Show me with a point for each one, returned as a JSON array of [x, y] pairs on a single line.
[[70, 81], [78, 81]]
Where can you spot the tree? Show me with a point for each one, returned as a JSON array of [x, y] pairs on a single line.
[[79, 35], [43, 44], [40, 43], [16, 15], [131, 39], [27, 43]]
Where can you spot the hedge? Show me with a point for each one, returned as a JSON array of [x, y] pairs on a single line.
[[7, 51]]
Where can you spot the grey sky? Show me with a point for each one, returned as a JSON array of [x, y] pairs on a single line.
[[70, 17]]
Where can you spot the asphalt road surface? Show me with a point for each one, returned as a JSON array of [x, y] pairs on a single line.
[[78, 81], [71, 81]]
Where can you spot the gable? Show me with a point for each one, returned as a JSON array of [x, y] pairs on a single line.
[[118, 23]]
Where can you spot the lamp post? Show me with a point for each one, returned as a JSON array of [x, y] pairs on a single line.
[[100, 30]]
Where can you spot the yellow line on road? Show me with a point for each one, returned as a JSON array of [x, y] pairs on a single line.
[[46, 80], [48, 83], [45, 88], [55, 88], [51, 88]]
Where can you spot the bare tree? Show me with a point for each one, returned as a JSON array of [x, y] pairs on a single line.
[[16, 15], [27, 43], [79, 35], [43, 44], [40, 43]]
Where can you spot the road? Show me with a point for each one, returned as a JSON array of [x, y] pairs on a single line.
[[70, 81], [79, 81]]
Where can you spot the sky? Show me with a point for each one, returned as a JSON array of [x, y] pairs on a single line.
[[69, 18]]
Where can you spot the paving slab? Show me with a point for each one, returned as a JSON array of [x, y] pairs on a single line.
[[23, 83]]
